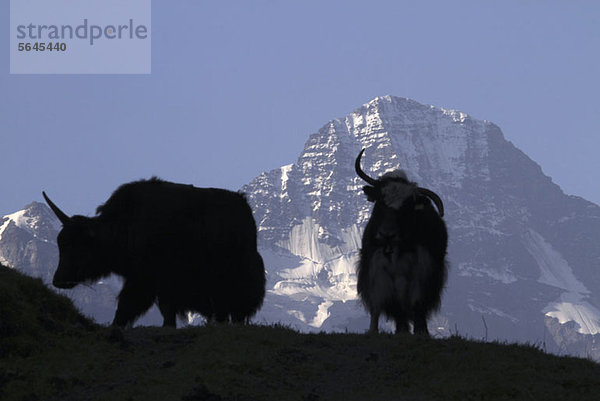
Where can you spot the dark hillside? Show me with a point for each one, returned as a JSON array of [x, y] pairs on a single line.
[[32, 316], [50, 352]]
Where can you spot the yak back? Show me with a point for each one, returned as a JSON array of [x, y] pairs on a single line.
[[159, 221]]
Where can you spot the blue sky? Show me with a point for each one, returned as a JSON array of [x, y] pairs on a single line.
[[237, 87]]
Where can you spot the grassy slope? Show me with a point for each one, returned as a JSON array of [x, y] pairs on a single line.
[[48, 351]]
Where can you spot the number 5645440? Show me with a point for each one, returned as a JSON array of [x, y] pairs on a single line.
[[40, 47]]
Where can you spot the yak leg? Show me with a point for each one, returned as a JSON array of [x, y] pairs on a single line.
[[421, 324], [219, 313], [420, 321], [168, 313], [401, 323], [134, 300], [221, 317], [426, 272], [239, 318], [374, 327]]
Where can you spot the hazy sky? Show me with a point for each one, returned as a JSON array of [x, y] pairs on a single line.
[[237, 88]]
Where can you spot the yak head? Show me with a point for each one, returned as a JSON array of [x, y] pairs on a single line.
[[392, 190], [82, 249]]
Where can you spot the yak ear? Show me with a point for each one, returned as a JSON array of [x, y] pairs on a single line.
[[371, 192]]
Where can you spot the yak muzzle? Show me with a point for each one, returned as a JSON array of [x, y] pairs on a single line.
[[63, 285], [62, 282]]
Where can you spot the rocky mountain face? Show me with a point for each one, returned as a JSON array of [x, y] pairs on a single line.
[[524, 260]]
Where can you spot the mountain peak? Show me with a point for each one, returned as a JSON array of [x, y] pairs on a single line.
[[35, 218], [394, 104], [381, 101], [310, 217]]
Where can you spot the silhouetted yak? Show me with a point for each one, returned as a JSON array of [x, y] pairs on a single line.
[[402, 268], [186, 248]]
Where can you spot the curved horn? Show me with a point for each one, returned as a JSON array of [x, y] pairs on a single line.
[[435, 198], [361, 173], [59, 213]]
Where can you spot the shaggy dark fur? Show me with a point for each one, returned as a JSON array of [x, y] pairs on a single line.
[[186, 248], [402, 268]]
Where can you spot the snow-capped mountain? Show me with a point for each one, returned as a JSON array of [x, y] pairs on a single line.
[[28, 240], [524, 260]]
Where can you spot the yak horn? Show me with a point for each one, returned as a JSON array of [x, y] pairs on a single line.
[[59, 213], [361, 173], [435, 198]]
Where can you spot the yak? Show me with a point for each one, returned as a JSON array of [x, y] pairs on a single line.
[[402, 268], [185, 248]]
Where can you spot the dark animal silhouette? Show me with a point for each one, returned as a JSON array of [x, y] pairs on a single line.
[[186, 248], [402, 268]]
